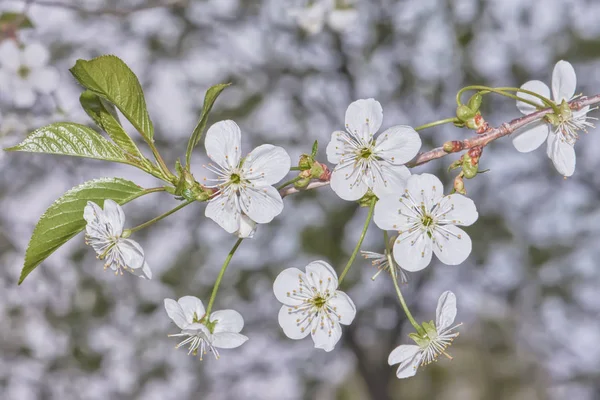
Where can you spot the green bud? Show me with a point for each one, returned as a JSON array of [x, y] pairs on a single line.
[[464, 113], [302, 183], [366, 200], [316, 170], [475, 102], [306, 162], [470, 170]]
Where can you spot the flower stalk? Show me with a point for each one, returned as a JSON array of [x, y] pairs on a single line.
[[220, 276], [360, 240]]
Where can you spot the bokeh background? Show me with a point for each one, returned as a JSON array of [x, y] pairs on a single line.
[[529, 294]]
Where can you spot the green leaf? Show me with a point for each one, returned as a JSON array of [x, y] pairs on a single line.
[[64, 218], [10, 18], [70, 139], [209, 99], [105, 116], [110, 78]]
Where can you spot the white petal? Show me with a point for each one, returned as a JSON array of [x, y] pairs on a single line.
[[393, 213], [132, 253], [45, 80], [426, 189], [412, 251], [344, 182], [197, 329], [261, 204], [175, 312], [228, 340], [531, 136], [364, 118], [35, 55], [10, 55], [326, 334], [266, 165], [288, 320], [336, 148], [192, 308], [92, 213], [286, 282], [562, 154], [390, 179], [564, 81], [247, 227], [114, 215], [409, 357], [227, 321], [538, 87], [145, 271], [452, 245], [223, 211], [321, 276], [310, 19], [398, 144], [23, 95], [223, 143], [341, 20], [460, 209], [445, 312], [344, 307]]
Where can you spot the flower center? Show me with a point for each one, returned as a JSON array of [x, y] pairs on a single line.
[[319, 301], [427, 221], [23, 71], [235, 178], [365, 153]]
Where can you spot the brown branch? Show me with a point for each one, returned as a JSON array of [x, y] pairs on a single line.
[[480, 140], [109, 11]]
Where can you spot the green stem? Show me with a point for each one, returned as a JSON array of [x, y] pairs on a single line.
[[220, 277], [436, 123], [502, 91], [295, 169], [161, 163], [412, 320], [148, 191], [290, 182], [360, 240], [153, 220]]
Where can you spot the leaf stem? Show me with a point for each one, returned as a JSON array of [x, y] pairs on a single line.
[[220, 277], [502, 91], [153, 220], [290, 182], [161, 163], [436, 123], [360, 240]]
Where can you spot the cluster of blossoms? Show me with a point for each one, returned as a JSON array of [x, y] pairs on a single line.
[[371, 170], [337, 15]]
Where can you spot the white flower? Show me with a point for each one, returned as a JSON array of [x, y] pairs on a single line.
[[382, 263], [104, 232], [430, 346], [244, 186], [220, 330], [425, 220], [312, 19], [23, 72], [312, 304], [364, 163], [564, 131]]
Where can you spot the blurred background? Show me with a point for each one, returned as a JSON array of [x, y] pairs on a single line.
[[528, 295]]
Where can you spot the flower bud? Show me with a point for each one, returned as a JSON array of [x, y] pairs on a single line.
[[475, 153], [325, 174], [302, 183], [306, 162], [469, 168], [453, 146], [459, 184], [464, 113], [475, 102], [477, 123]]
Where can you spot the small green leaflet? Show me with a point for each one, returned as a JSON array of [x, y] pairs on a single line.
[[10, 18], [106, 117], [70, 139], [110, 78], [209, 99], [64, 218]]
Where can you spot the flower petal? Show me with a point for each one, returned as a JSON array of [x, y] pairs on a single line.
[[289, 322], [44, 80], [192, 308], [426, 189], [538, 87], [326, 334], [286, 283], [364, 118], [457, 209], [343, 306], [445, 312], [23, 95], [114, 215], [223, 144], [247, 227], [266, 165], [564, 81], [322, 276], [452, 245], [412, 250], [562, 154], [531, 136], [228, 340], [398, 144], [10, 55], [261, 204], [347, 183], [35, 55], [224, 212], [131, 252], [175, 312], [409, 357], [389, 179], [227, 321], [393, 213], [337, 147], [341, 20]]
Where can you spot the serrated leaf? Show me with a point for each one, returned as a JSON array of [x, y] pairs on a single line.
[[70, 139], [64, 218], [105, 116], [110, 78], [209, 99], [10, 18]]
